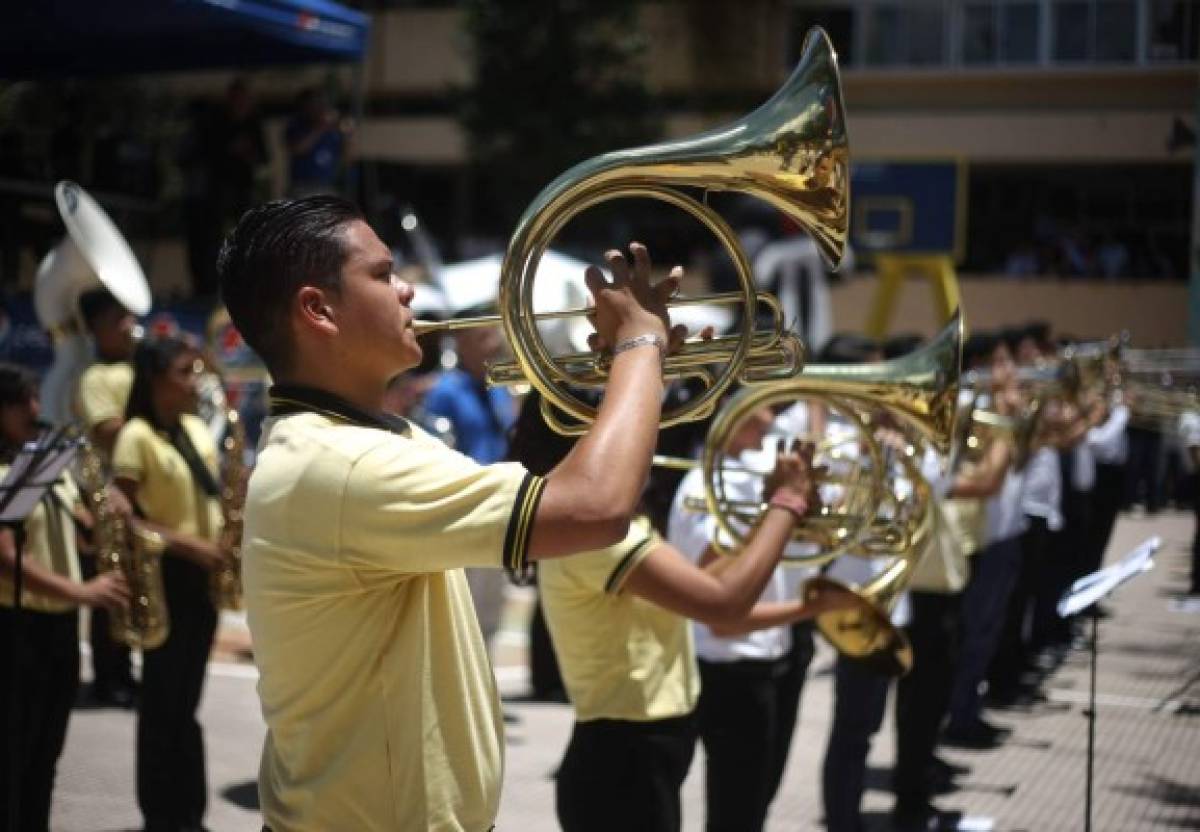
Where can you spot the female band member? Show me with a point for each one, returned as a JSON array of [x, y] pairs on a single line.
[[165, 461]]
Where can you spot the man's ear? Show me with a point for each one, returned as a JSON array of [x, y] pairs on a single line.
[[315, 310]]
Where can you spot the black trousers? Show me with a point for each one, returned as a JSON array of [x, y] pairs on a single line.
[[1107, 497], [111, 667], [994, 573], [1144, 474], [1015, 638], [47, 661], [172, 788], [859, 700], [923, 695], [625, 775], [1069, 554], [746, 717]]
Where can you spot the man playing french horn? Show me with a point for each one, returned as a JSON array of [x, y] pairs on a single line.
[[381, 709]]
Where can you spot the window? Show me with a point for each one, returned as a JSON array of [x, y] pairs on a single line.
[[926, 34], [1171, 30], [887, 36], [1116, 31], [982, 33], [837, 21], [1020, 24], [979, 34], [1072, 30], [909, 33]]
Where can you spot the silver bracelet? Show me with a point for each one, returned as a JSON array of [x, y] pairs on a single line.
[[642, 341]]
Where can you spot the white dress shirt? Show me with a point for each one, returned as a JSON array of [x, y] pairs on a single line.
[[1083, 467], [1005, 519], [1107, 441], [691, 532], [1042, 496]]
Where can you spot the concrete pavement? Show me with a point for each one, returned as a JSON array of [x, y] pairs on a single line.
[[1148, 740]]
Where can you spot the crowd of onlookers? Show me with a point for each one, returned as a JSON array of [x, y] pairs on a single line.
[[1110, 255]]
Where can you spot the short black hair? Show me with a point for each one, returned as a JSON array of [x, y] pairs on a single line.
[[94, 303], [17, 384], [274, 250], [1039, 331], [979, 348]]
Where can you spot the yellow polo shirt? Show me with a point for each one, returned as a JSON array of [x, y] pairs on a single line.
[[103, 393], [621, 657], [382, 712], [50, 543], [167, 491]]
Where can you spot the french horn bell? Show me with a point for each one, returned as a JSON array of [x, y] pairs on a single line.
[[791, 152]]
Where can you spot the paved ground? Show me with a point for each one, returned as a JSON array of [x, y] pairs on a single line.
[[1147, 766]]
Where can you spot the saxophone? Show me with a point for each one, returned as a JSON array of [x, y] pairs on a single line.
[[226, 584], [136, 553]]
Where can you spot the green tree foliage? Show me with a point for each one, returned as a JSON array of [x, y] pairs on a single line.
[[555, 83]]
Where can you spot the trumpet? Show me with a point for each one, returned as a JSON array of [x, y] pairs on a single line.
[[791, 152], [1179, 361], [1159, 405]]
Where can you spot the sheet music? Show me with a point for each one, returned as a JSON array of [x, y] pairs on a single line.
[[34, 469], [1091, 588]]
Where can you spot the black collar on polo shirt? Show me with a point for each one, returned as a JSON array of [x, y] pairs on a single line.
[[287, 399]]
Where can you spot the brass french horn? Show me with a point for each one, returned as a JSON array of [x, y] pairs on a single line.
[[791, 152], [920, 389]]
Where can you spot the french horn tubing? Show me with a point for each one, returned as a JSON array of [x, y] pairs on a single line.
[[791, 152]]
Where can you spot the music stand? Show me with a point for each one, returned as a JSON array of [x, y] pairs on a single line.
[[1084, 593], [35, 469]]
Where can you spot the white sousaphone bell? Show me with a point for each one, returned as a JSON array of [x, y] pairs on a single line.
[[93, 255]]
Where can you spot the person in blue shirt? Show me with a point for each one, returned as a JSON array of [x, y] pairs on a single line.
[[317, 138], [481, 417]]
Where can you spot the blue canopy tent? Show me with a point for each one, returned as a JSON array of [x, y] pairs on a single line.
[[81, 38]]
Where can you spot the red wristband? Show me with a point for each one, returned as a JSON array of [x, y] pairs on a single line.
[[794, 503]]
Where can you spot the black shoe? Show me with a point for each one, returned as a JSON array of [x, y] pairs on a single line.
[[925, 819], [940, 782], [1002, 699], [977, 735], [952, 769], [111, 697]]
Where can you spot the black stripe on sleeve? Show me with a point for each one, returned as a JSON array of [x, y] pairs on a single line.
[[520, 524], [622, 570]]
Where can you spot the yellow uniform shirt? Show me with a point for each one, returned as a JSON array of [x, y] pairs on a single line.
[[49, 542], [621, 657], [103, 393], [167, 492], [382, 712]]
